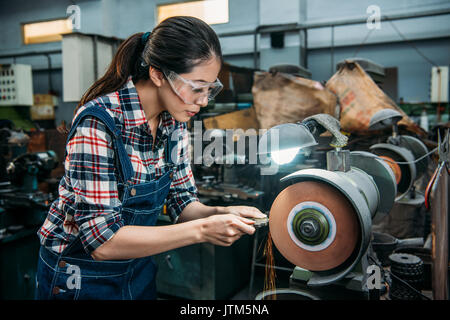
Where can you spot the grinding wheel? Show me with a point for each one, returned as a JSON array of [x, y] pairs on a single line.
[[317, 199]]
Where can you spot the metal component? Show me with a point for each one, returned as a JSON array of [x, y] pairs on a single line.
[[360, 205], [406, 268], [315, 207], [133, 192], [310, 226], [261, 222], [10, 168], [399, 259], [365, 185], [95, 55], [222, 190], [332, 125], [230, 175], [444, 147], [384, 118], [415, 199], [306, 26], [439, 231], [394, 167], [26, 170], [418, 149], [295, 70], [399, 154], [381, 174], [384, 244], [338, 160]]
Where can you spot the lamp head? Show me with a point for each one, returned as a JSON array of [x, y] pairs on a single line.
[[384, 118], [284, 141]]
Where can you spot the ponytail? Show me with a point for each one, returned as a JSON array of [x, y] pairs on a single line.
[[177, 44], [126, 62]]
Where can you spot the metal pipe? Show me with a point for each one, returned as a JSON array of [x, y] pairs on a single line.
[[439, 234], [314, 25], [306, 26], [255, 50], [306, 49], [95, 40], [49, 64], [332, 50], [31, 53], [37, 53]]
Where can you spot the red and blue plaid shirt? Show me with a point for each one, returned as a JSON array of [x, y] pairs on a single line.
[[88, 205]]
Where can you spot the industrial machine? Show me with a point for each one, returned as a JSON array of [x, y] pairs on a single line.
[[321, 220], [23, 208], [406, 155]]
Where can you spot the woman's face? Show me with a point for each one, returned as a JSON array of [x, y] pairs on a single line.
[[207, 71]]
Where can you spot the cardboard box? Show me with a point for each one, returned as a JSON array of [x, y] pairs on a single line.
[[43, 107]]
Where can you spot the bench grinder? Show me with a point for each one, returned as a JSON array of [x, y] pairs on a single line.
[[321, 220], [406, 155]]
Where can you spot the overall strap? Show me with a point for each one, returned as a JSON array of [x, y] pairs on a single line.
[[171, 149], [104, 117]]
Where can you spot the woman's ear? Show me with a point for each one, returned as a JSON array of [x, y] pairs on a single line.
[[156, 76]]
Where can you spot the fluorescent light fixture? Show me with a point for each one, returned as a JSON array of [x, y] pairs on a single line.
[[210, 11], [46, 31]]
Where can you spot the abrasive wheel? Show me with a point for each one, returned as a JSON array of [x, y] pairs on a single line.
[[314, 226], [403, 159], [394, 167]]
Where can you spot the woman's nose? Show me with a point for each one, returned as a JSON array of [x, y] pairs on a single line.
[[203, 101]]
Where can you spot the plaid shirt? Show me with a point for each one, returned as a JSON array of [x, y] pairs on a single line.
[[88, 205]]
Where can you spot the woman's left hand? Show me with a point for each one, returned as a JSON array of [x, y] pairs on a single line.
[[243, 211]]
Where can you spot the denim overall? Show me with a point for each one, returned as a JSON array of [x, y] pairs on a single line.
[[73, 274]]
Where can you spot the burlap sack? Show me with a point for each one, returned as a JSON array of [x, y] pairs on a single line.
[[360, 98], [283, 98]]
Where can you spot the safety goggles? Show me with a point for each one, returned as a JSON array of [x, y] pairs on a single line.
[[192, 92]]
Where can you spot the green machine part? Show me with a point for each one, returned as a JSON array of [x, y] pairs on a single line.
[[310, 226]]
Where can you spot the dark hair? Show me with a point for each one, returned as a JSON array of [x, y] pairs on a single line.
[[177, 44]]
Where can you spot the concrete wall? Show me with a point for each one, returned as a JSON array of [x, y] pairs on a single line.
[[121, 18]]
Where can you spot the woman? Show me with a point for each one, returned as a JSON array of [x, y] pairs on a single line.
[[127, 155]]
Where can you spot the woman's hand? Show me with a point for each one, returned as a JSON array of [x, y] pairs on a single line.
[[242, 211], [225, 229]]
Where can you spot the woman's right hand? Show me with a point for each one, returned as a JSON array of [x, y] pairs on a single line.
[[225, 229]]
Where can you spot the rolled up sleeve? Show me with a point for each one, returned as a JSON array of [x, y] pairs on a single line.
[[93, 178]]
